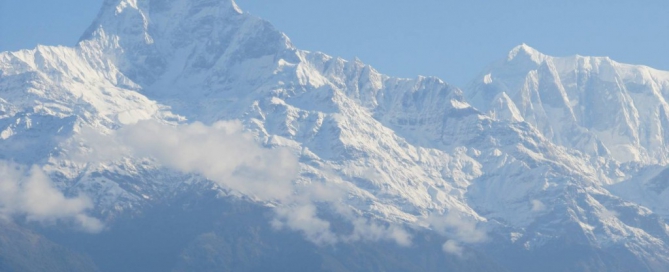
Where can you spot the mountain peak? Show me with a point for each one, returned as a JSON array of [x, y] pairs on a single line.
[[143, 4], [521, 174], [144, 37], [139, 17], [525, 51]]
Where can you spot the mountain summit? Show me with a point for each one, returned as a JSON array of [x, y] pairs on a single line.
[[525, 51], [196, 115], [592, 104]]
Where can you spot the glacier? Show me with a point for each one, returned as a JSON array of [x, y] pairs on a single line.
[[540, 163]]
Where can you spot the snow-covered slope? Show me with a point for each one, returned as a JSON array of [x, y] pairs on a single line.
[[511, 172], [593, 104]]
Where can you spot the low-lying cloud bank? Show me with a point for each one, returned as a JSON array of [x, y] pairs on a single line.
[[28, 192], [230, 157], [220, 152], [226, 155]]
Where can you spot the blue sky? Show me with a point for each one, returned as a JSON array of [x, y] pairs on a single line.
[[450, 39]]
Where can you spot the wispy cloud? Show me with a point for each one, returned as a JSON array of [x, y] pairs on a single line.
[[452, 247], [228, 156], [459, 229], [28, 192], [301, 214], [221, 152], [537, 205]]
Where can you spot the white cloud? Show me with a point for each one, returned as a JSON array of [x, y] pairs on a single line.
[[459, 229], [304, 218], [364, 229], [221, 152], [30, 193], [537, 206], [301, 215], [452, 247], [227, 155]]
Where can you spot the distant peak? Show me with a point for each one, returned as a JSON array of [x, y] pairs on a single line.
[[160, 3], [134, 16], [524, 47], [524, 50]]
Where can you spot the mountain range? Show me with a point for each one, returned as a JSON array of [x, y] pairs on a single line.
[[188, 135]]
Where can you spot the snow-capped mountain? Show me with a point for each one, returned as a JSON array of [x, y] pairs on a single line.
[[592, 104], [533, 159]]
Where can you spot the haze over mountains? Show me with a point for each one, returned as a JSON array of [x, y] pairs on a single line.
[[187, 135]]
